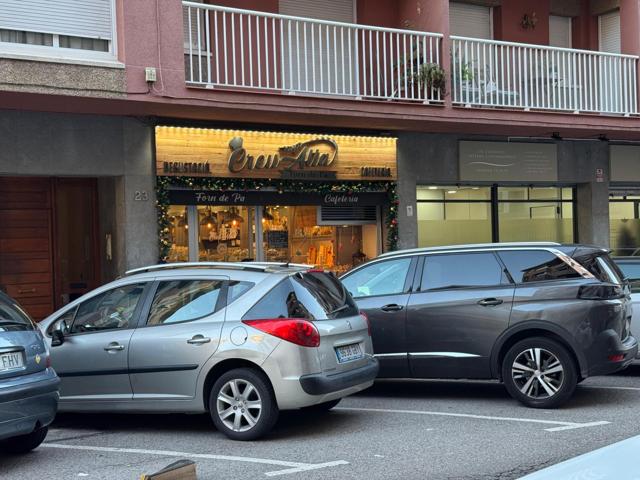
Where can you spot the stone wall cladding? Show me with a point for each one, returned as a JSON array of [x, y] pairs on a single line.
[[62, 79]]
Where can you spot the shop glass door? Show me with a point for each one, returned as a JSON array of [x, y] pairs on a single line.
[[226, 234]]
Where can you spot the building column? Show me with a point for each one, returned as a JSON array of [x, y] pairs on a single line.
[[581, 162], [137, 219]]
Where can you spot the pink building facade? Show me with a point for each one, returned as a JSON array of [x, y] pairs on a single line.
[[510, 121]]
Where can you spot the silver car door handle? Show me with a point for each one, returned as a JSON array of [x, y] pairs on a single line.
[[198, 340], [114, 347], [490, 302]]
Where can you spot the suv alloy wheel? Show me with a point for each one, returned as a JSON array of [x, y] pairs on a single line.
[[242, 404], [539, 372]]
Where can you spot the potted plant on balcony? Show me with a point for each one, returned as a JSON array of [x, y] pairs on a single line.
[[419, 76]]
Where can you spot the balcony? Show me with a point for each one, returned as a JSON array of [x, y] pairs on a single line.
[[236, 49], [489, 73], [243, 49]]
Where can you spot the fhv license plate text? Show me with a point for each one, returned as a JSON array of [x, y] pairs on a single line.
[[9, 361], [348, 353]]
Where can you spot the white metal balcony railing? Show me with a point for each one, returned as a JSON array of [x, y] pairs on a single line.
[[234, 48], [505, 74]]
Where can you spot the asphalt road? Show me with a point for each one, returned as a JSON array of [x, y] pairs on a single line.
[[395, 430]]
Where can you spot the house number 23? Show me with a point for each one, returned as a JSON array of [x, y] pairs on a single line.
[[141, 196]]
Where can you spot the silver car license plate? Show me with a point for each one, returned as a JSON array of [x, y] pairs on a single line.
[[11, 361], [348, 353]]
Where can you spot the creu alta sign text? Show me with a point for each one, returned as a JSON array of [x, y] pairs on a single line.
[[320, 152]]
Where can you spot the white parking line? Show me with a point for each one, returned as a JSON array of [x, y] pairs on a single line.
[[610, 387], [560, 425], [293, 467]]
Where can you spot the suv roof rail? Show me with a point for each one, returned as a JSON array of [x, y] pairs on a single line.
[[470, 245], [251, 266]]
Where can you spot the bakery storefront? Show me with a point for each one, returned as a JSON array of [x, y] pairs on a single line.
[[234, 195]]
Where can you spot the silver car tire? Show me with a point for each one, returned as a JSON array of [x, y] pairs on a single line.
[[242, 404], [539, 372]]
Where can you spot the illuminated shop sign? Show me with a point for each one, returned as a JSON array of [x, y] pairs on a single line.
[[248, 154]]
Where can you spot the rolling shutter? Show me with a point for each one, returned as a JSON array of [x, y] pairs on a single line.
[[348, 214], [333, 10], [470, 20], [609, 32], [559, 31], [76, 18], [297, 77]]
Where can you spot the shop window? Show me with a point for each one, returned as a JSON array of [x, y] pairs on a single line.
[[624, 225], [178, 234], [292, 234], [453, 215]]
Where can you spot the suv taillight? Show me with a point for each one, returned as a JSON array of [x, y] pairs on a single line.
[[366, 318], [295, 330], [600, 292]]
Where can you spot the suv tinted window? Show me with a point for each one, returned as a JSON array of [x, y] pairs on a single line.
[[12, 318], [309, 296], [536, 265], [184, 300], [461, 270], [380, 278], [601, 266]]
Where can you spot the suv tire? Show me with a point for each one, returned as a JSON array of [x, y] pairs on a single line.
[[25, 443], [242, 404], [539, 372]]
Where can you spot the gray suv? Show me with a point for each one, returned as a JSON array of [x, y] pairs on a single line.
[[28, 384], [240, 341], [541, 317]]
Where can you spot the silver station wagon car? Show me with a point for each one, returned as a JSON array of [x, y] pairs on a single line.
[[240, 341]]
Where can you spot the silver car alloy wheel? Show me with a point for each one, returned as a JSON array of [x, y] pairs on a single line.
[[538, 373], [239, 405]]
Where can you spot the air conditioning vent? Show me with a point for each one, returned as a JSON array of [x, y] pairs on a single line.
[[347, 214]]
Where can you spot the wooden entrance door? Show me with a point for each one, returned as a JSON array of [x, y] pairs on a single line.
[[26, 268]]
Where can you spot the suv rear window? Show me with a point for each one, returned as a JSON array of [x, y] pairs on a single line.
[[310, 295], [601, 266], [536, 265]]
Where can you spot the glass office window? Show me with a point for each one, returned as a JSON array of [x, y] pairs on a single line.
[[453, 215], [527, 214], [624, 225]]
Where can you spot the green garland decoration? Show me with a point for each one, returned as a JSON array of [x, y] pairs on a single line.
[[164, 183]]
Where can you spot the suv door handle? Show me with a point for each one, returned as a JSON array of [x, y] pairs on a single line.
[[114, 347], [392, 307], [490, 302], [198, 340]]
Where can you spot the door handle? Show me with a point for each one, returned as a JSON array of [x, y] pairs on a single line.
[[198, 340], [490, 302], [392, 307], [114, 347]]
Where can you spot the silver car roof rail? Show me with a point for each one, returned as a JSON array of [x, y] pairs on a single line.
[[469, 246], [252, 266]]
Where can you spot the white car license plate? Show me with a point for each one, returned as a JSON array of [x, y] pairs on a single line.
[[11, 361], [347, 353]]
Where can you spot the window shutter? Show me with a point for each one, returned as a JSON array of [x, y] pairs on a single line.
[[77, 18], [559, 31], [609, 32], [194, 25], [470, 20], [333, 10]]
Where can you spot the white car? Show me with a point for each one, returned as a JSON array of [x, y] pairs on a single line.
[[630, 267]]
